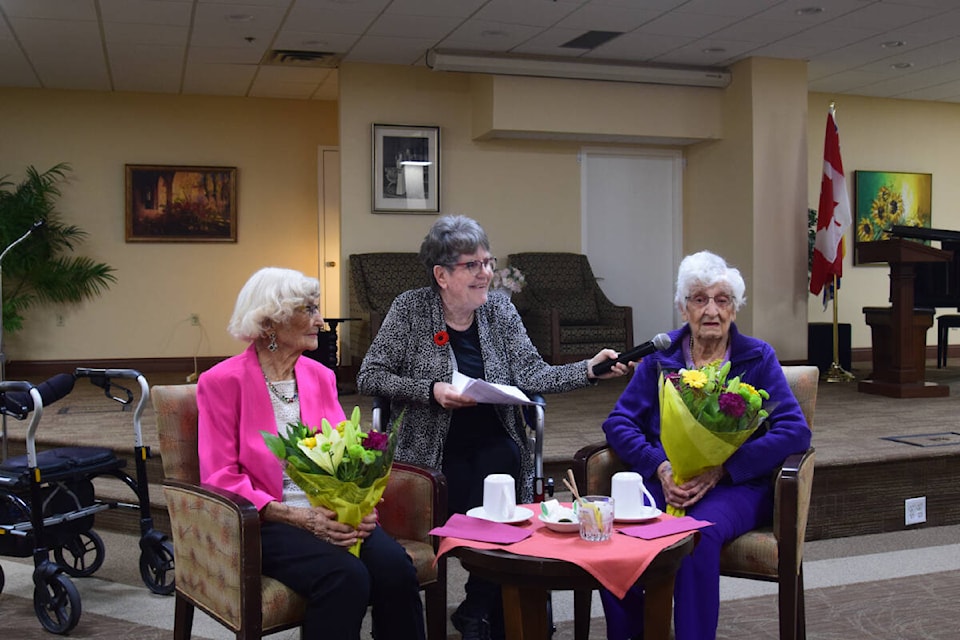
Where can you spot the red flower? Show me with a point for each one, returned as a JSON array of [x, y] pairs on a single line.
[[441, 338], [732, 404]]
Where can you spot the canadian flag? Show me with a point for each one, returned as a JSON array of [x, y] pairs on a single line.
[[833, 216]]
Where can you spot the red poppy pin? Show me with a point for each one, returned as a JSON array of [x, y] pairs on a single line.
[[441, 338]]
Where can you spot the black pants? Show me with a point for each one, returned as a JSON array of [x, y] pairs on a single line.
[[339, 586], [466, 462]]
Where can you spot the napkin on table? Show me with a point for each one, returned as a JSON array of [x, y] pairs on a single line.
[[665, 527], [480, 530]]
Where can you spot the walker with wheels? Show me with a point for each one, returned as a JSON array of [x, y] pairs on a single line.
[[47, 500]]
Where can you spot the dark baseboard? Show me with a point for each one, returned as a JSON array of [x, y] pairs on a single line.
[[42, 369]]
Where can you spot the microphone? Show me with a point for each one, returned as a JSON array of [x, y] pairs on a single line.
[[660, 342], [20, 403]]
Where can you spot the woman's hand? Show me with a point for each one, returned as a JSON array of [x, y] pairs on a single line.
[[367, 525], [448, 397], [323, 524], [618, 368], [691, 491], [319, 521]]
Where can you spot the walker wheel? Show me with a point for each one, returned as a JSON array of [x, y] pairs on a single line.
[[3, 580], [81, 555], [57, 604], [156, 567]]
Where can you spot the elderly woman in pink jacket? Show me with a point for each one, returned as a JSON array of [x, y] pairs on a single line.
[[268, 386]]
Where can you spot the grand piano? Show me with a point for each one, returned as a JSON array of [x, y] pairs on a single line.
[[921, 277], [936, 284]]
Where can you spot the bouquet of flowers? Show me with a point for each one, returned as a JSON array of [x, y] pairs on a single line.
[[341, 468], [704, 418], [509, 278]]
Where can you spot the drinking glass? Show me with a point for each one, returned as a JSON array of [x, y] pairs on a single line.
[[595, 514]]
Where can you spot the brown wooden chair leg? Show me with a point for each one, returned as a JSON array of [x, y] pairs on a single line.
[[182, 619], [581, 614]]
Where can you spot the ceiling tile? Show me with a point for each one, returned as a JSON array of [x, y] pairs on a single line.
[[146, 12]]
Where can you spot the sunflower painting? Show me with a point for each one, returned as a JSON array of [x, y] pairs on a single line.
[[886, 198]]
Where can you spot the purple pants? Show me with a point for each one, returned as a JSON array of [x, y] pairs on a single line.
[[734, 510]]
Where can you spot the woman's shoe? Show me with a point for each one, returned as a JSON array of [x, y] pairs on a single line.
[[471, 624]]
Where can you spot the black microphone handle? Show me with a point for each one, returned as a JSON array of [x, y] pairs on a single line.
[[660, 341]]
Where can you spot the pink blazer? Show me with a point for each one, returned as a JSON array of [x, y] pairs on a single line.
[[234, 407]]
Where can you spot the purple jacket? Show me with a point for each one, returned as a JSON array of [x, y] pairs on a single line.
[[633, 427], [235, 406]]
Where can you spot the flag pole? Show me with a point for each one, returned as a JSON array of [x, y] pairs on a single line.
[[836, 372]]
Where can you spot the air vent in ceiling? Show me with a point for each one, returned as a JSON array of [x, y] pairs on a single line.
[[295, 58]]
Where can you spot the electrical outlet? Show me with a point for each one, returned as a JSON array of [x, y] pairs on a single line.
[[195, 319], [60, 321], [915, 510]]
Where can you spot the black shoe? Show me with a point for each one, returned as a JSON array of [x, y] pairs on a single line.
[[471, 625]]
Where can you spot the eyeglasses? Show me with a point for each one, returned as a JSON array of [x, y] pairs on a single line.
[[474, 266], [723, 301], [309, 309]]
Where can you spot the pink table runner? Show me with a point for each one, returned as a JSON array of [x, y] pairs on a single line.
[[616, 564]]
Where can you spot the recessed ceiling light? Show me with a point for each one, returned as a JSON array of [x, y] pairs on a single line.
[[808, 11], [892, 44], [493, 33], [901, 65], [710, 50], [239, 17]]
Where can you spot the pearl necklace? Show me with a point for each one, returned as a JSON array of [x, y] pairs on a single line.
[[280, 396]]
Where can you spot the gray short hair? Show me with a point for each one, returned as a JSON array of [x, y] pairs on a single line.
[[449, 238], [705, 269], [270, 295]]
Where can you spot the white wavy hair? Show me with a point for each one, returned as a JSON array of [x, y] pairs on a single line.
[[270, 296], [703, 270]]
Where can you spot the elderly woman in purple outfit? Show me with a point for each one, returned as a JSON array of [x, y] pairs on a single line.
[[736, 496]]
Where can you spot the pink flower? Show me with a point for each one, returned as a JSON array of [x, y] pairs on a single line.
[[732, 404], [376, 441]]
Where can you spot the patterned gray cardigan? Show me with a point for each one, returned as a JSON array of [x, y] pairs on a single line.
[[404, 361]]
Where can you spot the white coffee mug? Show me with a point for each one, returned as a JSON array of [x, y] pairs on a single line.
[[630, 495], [499, 496]]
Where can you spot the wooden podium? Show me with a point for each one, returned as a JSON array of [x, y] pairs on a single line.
[[899, 332]]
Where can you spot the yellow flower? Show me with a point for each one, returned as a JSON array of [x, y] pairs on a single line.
[[749, 387], [693, 378]]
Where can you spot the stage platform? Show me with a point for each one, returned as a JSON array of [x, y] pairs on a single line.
[[873, 452]]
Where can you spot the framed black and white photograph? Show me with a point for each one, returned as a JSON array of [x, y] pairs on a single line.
[[406, 169]]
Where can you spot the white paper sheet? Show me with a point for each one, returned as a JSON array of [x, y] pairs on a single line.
[[489, 392]]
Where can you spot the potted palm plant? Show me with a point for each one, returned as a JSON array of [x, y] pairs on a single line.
[[41, 269]]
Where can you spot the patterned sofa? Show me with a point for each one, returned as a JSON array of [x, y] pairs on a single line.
[[375, 280], [567, 315]]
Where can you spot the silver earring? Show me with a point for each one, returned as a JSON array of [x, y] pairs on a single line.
[[273, 341]]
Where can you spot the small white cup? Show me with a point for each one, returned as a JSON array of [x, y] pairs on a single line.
[[499, 496], [630, 495]]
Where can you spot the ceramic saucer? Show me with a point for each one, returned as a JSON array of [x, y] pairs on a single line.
[[520, 514], [641, 515]]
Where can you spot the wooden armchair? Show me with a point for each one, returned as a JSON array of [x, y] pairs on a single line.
[[375, 280], [565, 312], [773, 554], [216, 535]]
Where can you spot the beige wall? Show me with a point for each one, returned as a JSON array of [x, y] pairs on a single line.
[[743, 198], [883, 135], [273, 143], [525, 192]]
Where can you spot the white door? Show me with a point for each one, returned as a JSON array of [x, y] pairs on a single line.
[[328, 167], [631, 212]]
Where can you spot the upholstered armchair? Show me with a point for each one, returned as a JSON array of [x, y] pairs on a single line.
[[216, 535], [375, 280], [566, 314], [773, 554]]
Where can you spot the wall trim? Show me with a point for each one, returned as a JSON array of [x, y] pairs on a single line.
[[42, 369]]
